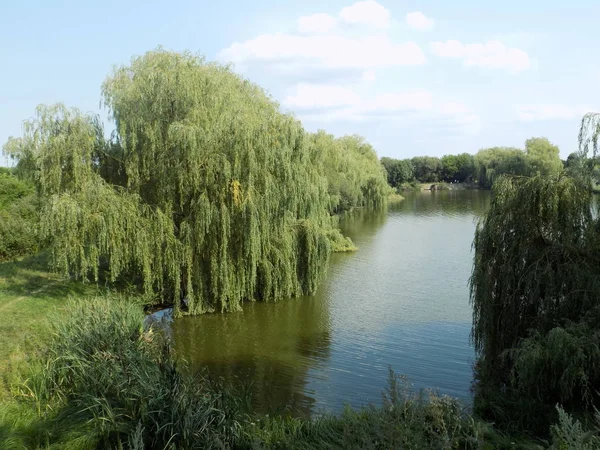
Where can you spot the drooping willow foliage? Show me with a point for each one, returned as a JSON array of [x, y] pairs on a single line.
[[491, 163], [585, 162], [206, 191], [356, 177], [535, 290]]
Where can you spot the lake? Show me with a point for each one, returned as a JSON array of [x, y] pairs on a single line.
[[401, 300]]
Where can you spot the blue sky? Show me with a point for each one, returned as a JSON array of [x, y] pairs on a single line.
[[413, 77]]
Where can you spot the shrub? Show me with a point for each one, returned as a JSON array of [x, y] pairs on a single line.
[[19, 228], [106, 382], [570, 434]]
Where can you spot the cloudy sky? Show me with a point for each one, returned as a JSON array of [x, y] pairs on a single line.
[[414, 77]]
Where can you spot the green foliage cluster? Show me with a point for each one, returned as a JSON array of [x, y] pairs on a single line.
[[570, 434], [491, 163], [205, 193], [19, 217], [405, 420], [535, 290], [425, 169], [457, 168], [354, 174], [539, 157], [12, 189], [106, 380], [398, 171], [543, 157]]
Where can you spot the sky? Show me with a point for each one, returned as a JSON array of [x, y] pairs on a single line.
[[413, 77]]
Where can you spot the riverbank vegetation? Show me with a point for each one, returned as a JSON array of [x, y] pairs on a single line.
[[536, 326], [205, 195], [106, 381], [535, 291], [355, 177], [98, 376]]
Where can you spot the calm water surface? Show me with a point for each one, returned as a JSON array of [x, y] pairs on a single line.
[[400, 301]]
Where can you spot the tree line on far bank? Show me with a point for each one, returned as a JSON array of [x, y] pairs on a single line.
[[538, 156]]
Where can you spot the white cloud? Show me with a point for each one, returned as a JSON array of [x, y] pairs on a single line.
[[331, 51], [327, 46], [492, 55], [369, 76], [367, 12], [415, 100], [317, 102], [530, 113], [325, 41], [317, 24], [419, 21], [316, 96]]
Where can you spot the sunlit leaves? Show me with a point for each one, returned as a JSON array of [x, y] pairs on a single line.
[[206, 192]]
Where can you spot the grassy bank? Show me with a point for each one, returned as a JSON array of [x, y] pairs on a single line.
[[86, 373], [394, 198], [28, 294]]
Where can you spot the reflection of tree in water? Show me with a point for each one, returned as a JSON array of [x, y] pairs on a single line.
[[275, 387], [458, 202], [273, 346], [363, 222]]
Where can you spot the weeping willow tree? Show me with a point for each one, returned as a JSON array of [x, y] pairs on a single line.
[[535, 290], [587, 164], [491, 163], [205, 192], [355, 176]]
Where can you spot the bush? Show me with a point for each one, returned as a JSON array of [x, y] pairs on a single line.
[[570, 434], [106, 382], [12, 189], [19, 228]]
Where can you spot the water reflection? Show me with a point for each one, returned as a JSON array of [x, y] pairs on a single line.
[[401, 300], [449, 203], [270, 345]]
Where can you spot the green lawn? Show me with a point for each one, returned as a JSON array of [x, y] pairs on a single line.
[[28, 293]]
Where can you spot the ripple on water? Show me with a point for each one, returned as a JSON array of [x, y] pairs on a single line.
[[400, 301]]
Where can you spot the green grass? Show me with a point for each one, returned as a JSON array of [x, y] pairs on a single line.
[[394, 198], [29, 292]]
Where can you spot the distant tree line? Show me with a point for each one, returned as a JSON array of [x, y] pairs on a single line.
[[538, 156]]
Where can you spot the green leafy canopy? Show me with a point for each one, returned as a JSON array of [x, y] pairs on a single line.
[[206, 191]]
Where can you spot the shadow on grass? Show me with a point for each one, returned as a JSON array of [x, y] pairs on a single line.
[[32, 277]]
